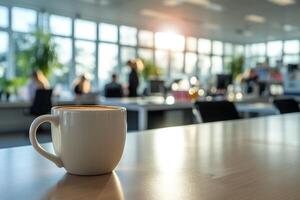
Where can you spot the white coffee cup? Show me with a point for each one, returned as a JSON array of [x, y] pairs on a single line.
[[87, 140]]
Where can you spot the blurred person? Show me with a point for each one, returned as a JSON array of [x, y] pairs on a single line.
[[276, 75], [133, 79], [113, 89], [250, 79], [263, 77], [38, 81], [82, 85]]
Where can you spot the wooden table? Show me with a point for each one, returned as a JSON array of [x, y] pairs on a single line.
[[235, 160]]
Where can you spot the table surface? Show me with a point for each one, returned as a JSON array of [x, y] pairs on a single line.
[[244, 159]]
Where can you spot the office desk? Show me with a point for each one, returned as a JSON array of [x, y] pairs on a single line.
[[234, 160], [144, 105], [143, 112]]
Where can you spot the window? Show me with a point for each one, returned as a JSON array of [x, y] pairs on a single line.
[[274, 61], [108, 62], [190, 63], [204, 46], [161, 40], [85, 58], [258, 49], [172, 41], [291, 59], [228, 48], [23, 20], [178, 42], [204, 64], [60, 25], [217, 48], [291, 47], [248, 52], [4, 42], [3, 16], [146, 54], [22, 43], [146, 38], [239, 50], [253, 61], [217, 65], [162, 60], [108, 32], [191, 44], [3, 52], [176, 62], [227, 62], [274, 48], [127, 53], [64, 53], [85, 29], [128, 35]]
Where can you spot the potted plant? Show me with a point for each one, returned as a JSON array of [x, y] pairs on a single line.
[[235, 67], [150, 70], [39, 55], [10, 86]]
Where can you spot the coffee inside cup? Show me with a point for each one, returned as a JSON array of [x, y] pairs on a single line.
[[87, 108]]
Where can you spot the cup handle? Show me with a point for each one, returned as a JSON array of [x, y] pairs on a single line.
[[32, 136]]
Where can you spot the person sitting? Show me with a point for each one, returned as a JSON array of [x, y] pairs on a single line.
[[113, 89], [82, 85], [38, 81]]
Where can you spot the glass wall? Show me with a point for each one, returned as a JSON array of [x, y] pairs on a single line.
[[100, 49], [3, 52]]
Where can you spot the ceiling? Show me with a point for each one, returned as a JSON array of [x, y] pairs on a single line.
[[215, 19]]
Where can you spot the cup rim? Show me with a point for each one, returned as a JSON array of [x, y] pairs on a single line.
[[106, 108]]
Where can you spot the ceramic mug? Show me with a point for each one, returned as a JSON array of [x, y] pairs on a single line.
[[87, 140]]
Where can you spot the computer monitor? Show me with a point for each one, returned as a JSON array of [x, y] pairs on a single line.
[[223, 80], [292, 67], [156, 86]]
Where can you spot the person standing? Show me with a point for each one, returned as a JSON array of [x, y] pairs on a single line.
[[133, 79], [38, 81]]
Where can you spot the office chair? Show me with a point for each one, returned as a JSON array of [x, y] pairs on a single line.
[[286, 105], [212, 111], [42, 102]]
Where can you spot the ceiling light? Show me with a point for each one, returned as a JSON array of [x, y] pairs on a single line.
[[255, 18], [172, 3], [204, 3], [155, 14], [289, 28], [212, 26], [99, 2], [283, 2], [103, 2], [248, 33]]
